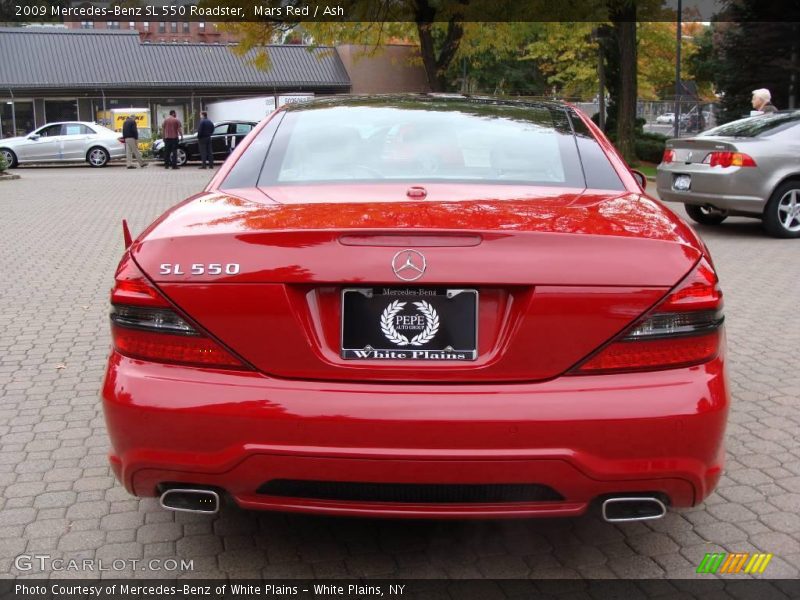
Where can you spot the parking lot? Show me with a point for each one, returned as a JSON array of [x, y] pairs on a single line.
[[61, 241]]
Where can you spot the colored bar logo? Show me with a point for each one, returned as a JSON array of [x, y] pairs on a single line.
[[743, 562]]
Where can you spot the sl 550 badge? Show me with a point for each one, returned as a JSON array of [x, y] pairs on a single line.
[[199, 269]]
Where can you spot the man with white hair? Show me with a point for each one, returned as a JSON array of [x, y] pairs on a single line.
[[761, 101]]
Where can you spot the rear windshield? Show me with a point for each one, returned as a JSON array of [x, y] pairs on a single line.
[[422, 141], [762, 125]]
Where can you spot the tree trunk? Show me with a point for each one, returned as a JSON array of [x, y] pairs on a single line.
[[624, 19], [428, 53]]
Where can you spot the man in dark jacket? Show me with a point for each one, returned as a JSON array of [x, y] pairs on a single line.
[[204, 130], [131, 134]]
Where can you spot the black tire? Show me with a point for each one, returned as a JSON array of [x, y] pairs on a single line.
[[782, 214], [11, 158], [97, 156], [704, 216]]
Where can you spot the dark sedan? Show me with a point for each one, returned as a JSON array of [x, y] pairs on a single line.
[[224, 139]]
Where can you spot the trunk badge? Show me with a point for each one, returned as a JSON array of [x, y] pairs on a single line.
[[409, 265]]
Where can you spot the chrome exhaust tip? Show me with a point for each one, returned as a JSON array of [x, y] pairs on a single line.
[[190, 500], [627, 509]]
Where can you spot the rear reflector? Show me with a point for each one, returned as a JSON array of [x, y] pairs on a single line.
[[729, 159], [683, 329], [654, 354], [163, 347], [669, 156], [144, 325]]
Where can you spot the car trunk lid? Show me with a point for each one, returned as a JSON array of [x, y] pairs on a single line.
[[694, 150], [557, 274]]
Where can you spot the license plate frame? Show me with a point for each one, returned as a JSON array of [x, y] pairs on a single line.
[[682, 182], [409, 324]]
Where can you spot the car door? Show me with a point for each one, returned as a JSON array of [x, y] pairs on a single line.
[[220, 145], [75, 138], [239, 132], [41, 145]]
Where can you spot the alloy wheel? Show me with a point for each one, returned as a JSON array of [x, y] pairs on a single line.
[[98, 157], [789, 210]]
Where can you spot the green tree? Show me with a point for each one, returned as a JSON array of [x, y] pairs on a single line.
[[755, 46], [566, 56], [443, 31]]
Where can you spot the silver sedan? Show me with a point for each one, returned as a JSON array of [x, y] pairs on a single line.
[[750, 168], [72, 141]]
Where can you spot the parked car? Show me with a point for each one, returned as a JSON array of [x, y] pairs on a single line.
[[666, 118], [224, 139], [749, 168], [500, 323], [72, 141]]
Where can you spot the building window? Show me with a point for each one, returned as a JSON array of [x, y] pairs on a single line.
[[201, 26], [146, 25], [186, 27], [87, 24], [132, 25], [173, 27], [112, 25], [162, 27]]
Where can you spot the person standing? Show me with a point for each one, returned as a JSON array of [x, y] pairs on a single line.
[[205, 128], [173, 131], [762, 101], [130, 132]]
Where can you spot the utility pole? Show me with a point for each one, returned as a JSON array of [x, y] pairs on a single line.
[[676, 126], [793, 67], [599, 34]]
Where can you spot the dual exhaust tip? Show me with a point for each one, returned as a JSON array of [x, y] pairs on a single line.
[[615, 510]]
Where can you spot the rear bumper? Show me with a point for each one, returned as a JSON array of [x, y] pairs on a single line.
[[725, 189], [584, 437]]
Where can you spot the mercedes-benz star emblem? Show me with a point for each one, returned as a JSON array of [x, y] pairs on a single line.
[[409, 265]]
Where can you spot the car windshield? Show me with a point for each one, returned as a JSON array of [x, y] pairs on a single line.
[[424, 141], [767, 124]]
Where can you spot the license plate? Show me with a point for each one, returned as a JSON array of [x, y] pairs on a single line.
[[409, 324], [682, 183]]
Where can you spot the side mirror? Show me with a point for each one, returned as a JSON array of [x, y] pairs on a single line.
[[34, 136], [640, 178]]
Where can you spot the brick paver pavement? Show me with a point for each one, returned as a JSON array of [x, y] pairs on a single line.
[[60, 240]]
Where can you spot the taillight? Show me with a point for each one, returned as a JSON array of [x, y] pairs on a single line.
[[669, 156], [145, 326], [684, 329], [729, 159]]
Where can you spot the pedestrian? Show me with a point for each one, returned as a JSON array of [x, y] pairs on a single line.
[[205, 128], [130, 132], [762, 101], [173, 131]]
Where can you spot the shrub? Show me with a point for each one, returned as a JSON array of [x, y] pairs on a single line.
[[650, 147], [3, 164]]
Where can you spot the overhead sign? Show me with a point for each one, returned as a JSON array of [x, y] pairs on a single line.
[[294, 98]]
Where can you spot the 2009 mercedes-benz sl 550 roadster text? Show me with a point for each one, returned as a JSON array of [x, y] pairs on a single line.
[[419, 306]]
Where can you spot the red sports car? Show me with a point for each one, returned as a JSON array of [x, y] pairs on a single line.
[[419, 307]]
